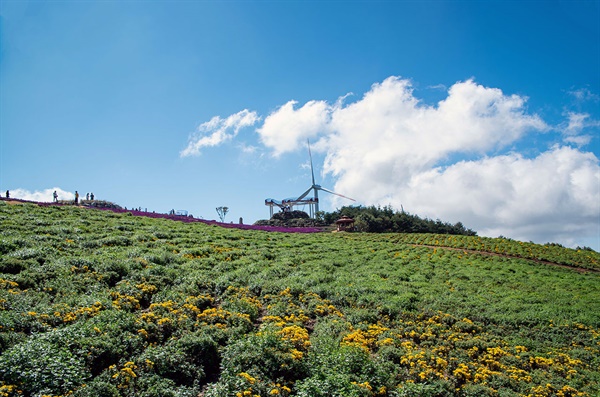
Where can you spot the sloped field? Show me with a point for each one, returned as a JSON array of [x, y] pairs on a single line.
[[94, 303]]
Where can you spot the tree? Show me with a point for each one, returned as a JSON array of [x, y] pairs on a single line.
[[387, 220], [222, 212]]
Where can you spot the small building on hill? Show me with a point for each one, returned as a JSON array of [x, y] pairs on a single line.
[[345, 224]]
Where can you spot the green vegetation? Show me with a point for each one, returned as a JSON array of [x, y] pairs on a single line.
[[96, 303], [387, 220], [369, 220], [297, 219]]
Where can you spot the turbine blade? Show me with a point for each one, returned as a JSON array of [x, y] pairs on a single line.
[[337, 194], [311, 163], [305, 193]]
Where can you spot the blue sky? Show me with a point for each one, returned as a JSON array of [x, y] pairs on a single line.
[[484, 112]]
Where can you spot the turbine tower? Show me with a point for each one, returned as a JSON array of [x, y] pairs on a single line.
[[315, 188], [313, 202]]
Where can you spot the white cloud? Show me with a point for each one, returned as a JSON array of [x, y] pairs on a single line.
[[248, 149], [440, 87], [388, 135], [584, 95], [41, 196], [387, 148], [574, 127], [218, 130], [287, 127], [576, 123], [552, 197]]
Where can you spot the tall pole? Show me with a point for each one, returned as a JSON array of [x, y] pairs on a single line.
[[316, 202], [312, 174]]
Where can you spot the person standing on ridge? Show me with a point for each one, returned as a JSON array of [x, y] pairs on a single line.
[[76, 197], [55, 196], [7, 194]]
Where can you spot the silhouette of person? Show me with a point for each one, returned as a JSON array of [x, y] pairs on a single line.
[[7, 194], [76, 197], [91, 196], [87, 196], [55, 196]]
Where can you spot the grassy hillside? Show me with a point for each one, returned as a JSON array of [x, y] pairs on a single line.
[[95, 303]]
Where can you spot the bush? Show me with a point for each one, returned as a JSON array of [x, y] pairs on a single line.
[[14, 266], [423, 390], [155, 386], [169, 361], [387, 220], [285, 215], [336, 370], [114, 338], [265, 355], [39, 367], [202, 350], [97, 388]]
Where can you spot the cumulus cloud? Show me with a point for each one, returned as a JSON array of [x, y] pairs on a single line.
[[388, 148], [552, 197], [287, 127], [217, 131], [45, 195], [453, 160], [573, 129], [391, 135]]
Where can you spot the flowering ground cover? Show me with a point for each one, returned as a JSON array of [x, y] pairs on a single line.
[[107, 206], [101, 303], [553, 253]]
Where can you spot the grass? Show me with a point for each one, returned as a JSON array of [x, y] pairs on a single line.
[[109, 304]]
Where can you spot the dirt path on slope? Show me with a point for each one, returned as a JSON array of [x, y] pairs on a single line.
[[472, 251]]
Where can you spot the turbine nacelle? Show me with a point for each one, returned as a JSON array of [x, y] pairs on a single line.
[[313, 202]]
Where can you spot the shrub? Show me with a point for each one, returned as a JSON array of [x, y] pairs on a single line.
[[13, 265], [423, 390], [115, 337], [336, 370], [169, 361], [39, 367], [202, 350], [285, 215], [258, 361], [97, 388]]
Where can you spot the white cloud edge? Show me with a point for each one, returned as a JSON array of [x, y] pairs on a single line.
[[217, 131], [287, 128], [45, 195]]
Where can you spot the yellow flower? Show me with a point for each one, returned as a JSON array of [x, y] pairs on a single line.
[[143, 332], [520, 349], [462, 372], [296, 354], [248, 377]]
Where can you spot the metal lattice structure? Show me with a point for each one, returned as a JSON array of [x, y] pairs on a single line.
[[302, 200]]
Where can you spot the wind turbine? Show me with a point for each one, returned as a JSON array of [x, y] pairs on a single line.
[[314, 202], [289, 203]]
